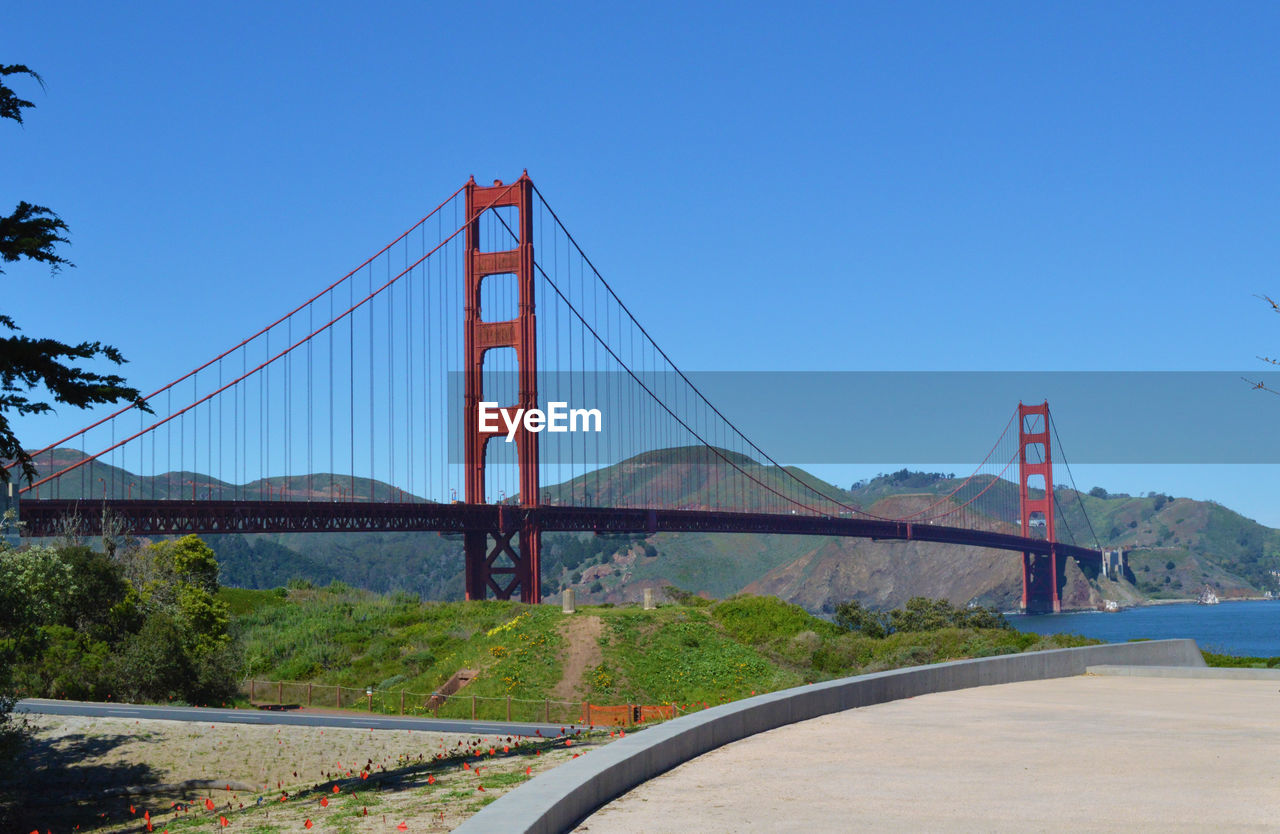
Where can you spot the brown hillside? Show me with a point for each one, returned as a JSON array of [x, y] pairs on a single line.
[[887, 574]]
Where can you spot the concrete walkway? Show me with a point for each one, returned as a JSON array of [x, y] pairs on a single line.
[[1084, 753]]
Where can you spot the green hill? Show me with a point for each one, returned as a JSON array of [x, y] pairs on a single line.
[[1207, 542], [679, 653]]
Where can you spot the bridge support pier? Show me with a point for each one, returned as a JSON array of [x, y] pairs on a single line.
[[504, 561], [1041, 591]]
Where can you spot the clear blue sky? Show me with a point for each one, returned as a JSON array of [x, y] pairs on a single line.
[[865, 186]]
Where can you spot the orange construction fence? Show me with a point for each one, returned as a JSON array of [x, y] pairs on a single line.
[[621, 715]]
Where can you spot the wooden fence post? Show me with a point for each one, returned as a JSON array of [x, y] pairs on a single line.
[[508, 708], [402, 693], [546, 712], [473, 708], [251, 682], [308, 694], [280, 691]]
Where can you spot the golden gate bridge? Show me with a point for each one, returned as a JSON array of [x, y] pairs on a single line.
[[359, 410]]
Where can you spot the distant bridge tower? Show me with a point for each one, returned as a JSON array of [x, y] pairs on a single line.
[[1040, 588], [507, 558]]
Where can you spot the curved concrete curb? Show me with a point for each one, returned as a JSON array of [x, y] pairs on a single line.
[[1235, 673], [561, 798]]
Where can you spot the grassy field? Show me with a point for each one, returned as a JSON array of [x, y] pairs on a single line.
[[692, 653], [362, 640]]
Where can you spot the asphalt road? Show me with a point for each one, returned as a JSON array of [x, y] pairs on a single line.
[[289, 717]]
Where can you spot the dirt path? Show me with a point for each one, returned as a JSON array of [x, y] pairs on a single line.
[[582, 652]]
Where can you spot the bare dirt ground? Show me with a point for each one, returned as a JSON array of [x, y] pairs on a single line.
[[107, 774], [1074, 754], [582, 652]]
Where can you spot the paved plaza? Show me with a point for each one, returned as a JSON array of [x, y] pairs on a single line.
[[1082, 754]]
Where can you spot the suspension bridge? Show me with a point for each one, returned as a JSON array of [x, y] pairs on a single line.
[[360, 410]]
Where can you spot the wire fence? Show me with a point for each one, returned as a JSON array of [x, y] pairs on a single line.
[[455, 706]]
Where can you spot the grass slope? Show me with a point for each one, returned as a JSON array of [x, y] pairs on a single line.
[[700, 652], [358, 639]]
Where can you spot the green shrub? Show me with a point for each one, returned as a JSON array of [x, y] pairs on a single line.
[[919, 614], [683, 597], [851, 616], [149, 624], [1233, 661], [766, 620]]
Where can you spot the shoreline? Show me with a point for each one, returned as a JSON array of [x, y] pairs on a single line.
[[1151, 603]]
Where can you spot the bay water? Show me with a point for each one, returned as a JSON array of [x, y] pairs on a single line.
[[1249, 628]]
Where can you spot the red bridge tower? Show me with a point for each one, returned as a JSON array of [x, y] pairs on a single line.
[[507, 558], [1040, 589]]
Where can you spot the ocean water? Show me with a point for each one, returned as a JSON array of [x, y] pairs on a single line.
[[1249, 628]]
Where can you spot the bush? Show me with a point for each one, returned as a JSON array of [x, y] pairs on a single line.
[[683, 597], [151, 665], [845, 654], [981, 617], [146, 625], [920, 614], [803, 646], [923, 614], [851, 616]]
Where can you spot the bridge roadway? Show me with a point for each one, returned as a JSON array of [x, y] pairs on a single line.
[[43, 517]]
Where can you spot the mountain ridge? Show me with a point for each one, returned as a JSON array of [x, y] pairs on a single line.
[[1176, 545]]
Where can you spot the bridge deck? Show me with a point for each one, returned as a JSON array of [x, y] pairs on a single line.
[[44, 517]]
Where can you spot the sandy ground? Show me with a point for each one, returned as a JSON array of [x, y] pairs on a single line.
[[1077, 754], [104, 774]]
